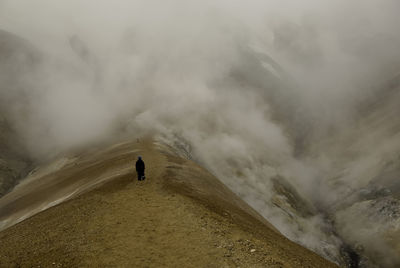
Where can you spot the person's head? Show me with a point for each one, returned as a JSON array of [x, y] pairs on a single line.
[[139, 157]]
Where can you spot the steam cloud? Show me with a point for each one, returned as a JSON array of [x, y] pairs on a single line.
[[257, 88]]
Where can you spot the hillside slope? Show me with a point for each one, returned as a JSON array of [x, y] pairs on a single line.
[[181, 216]]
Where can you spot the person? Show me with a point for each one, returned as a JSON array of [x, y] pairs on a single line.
[[140, 169]]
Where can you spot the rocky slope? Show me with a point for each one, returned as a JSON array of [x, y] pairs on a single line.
[[365, 174], [18, 58], [13, 164], [180, 216]]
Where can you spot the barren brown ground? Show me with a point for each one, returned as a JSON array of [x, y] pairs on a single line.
[[181, 216]]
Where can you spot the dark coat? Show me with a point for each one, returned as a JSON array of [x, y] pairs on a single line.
[[140, 165]]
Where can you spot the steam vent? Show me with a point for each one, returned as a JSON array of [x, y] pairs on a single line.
[[183, 133]]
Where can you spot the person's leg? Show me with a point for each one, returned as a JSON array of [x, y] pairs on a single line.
[[138, 175]]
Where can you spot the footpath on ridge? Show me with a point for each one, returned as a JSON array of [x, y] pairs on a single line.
[[180, 216]]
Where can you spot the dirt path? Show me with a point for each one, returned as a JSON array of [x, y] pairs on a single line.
[[170, 220]]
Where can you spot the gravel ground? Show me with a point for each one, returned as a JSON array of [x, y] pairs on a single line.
[[180, 216]]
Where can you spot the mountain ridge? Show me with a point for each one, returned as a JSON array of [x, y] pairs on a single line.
[[181, 215]]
